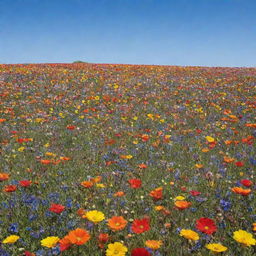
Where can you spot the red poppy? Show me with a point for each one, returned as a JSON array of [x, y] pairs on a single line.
[[206, 225], [140, 252], [27, 253], [246, 183], [194, 193], [109, 142], [65, 244], [57, 208], [145, 137], [140, 225], [239, 164], [135, 183], [183, 188], [25, 183], [212, 144], [198, 131], [103, 237], [21, 140], [10, 188], [110, 162], [71, 127]]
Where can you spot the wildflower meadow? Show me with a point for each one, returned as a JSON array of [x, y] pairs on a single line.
[[115, 160]]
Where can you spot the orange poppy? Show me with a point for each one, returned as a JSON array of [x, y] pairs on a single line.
[[157, 193], [96, 179], [45, 161], [119, 194], [87, 184], [181, 205], [64, 158], [142, 166], [228, 159], [81, 212], [241, 191], [250, 125], [117, 223], [254, 227], [154, 244], [56, 162], [10, 188], [78, 236], [4, 176]]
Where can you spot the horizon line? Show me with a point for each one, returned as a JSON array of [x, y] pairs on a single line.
[[129, 64]]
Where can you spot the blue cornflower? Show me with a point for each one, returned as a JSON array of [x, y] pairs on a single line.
[[40, 252], [225, 205], [14, 228], [69, 203], [56, 251], [3, 252]]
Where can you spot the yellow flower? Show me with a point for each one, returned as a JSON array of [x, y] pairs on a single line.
[[50, 154], [46, 145], [39, 120], [50, 241], [189, 234], [154, 244], [95, 216], [243, 237], [100, 185], [126, 156], [216, 247], [179, 198], [10, 239], [254, 226], [21, 149], [210, 139], [116, 249], [151, 116]]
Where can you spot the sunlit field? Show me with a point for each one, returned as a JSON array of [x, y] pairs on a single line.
[[100, 159]]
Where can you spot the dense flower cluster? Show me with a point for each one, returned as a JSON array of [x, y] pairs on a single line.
[[127, 160]]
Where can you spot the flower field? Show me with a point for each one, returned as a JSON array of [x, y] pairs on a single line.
[[103, 159]]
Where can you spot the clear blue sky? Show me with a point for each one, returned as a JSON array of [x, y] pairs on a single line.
[[169, 32]]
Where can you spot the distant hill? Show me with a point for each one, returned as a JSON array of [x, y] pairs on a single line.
[[80, 61]]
